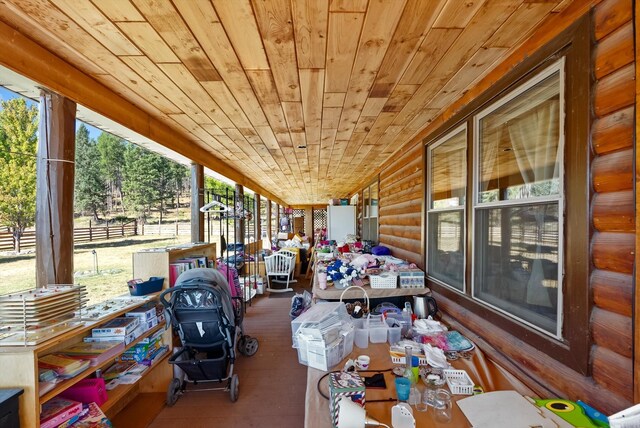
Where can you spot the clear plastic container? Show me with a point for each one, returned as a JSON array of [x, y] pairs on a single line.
[[377, 330], [394, 331], [362, 338]]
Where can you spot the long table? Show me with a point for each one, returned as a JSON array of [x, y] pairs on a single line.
[[482, 371]]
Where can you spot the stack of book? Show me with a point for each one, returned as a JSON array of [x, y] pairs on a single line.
[[118, 369], [181, 265], [64, 366], [95, 352], [59, 411], [147, 351], [147, 314], [91, 416], [123, 329]]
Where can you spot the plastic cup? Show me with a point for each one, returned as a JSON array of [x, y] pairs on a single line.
[[403, 388], [361, 338], [442, 406]]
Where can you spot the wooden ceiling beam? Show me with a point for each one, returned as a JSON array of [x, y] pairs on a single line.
[[36, 63]]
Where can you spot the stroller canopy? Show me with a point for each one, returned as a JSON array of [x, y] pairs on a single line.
[[199, 298]]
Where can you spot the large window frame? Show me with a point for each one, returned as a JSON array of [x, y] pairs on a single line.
[[540, 76], [570, 343], [434, 211]]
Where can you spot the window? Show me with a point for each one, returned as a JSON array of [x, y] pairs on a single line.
[[447, 166], [518, 202], [370, 213], [507, 202]]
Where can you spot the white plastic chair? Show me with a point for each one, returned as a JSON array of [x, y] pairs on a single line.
[[279, 265]]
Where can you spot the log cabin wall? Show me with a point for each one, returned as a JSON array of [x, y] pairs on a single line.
[[609, 386], [613, 203], [400, 208]]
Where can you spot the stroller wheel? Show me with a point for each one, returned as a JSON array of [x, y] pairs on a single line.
[[249, 346], [233, 388], [173, 391]]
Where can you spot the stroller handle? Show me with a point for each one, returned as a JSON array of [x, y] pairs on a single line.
[[187, 286]]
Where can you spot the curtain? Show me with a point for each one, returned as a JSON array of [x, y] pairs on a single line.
[[534, 138]]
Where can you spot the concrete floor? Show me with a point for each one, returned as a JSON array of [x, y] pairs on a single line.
[[272, 382]]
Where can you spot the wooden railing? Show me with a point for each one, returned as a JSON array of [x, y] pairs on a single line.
[[80, 234]]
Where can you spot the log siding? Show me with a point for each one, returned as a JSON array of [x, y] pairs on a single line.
[[608, 384]]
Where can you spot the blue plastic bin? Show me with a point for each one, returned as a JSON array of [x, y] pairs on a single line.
[[152, 286]]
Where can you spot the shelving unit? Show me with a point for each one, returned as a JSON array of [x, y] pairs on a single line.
[[155, 262], [22, 370]]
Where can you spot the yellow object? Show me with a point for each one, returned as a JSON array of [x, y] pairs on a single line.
[[293, 250]]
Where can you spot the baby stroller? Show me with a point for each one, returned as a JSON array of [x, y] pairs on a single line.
[[209, 325]]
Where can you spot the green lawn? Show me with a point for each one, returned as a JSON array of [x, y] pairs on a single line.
[[114, 262]]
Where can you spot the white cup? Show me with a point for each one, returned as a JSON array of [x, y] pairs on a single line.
[[362, 362]]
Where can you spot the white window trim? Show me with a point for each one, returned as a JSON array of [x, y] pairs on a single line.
[[462, 208], [558, 66]]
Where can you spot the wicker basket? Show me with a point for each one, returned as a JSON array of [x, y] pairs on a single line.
[[385, 280], [459, 382]]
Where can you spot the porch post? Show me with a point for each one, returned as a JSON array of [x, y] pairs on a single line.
[[54, 189], [268, 225], [258, 219], [239, 223], [308, 222], [197, 201]]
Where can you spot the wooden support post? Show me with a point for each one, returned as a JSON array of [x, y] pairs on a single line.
[[268, 225], [308, 222], [258, 218], [197, 201], [277, 219], [54, 190], [239, 223]]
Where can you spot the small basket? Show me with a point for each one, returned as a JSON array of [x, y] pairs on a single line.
[[399, 359], [459, 382], [366, 296], [385, 280], [153, 285]]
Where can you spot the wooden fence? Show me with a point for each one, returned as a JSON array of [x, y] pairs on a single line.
[[80, 234]]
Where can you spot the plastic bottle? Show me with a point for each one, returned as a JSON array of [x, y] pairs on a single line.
[[407, 314], [415, 368], [408, 354]]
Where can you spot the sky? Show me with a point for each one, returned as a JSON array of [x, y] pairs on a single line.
[[6, 94]]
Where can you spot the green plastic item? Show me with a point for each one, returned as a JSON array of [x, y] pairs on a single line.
[[570, 411]]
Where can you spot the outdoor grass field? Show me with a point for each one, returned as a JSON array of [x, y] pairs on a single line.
[[17, 272]]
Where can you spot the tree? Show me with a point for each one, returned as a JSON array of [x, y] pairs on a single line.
[[112, 150], [90, 186], [18, 146], [139, 180]]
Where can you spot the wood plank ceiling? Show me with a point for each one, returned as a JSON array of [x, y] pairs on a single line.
[[253, 80]]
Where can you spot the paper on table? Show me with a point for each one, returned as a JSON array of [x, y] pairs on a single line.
[[502, 409], [628, 418]]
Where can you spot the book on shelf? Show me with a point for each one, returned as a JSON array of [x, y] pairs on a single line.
[[57, 411], [182, 265], [92, 417], [64, 366], [95, 352], [118, 369], [121, 326]]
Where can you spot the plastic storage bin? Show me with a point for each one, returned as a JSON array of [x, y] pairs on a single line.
[[394, 329], [377, 330], [361, 337], [87, 391], [458, 381], [384, 280], [153, 285]]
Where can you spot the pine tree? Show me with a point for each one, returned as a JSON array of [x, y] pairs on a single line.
[[139, 180], [90, 186], [18, 146], [112, 150]]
